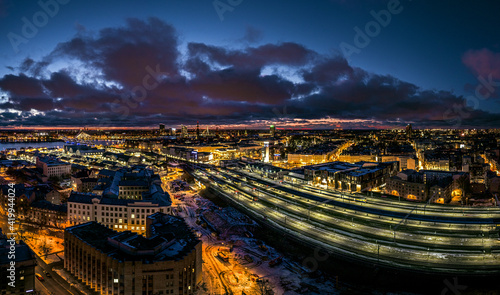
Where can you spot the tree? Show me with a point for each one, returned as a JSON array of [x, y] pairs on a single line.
[[45, 247], [264, 288], [54, 178]]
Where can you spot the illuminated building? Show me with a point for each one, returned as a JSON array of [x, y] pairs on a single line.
[[272, 130], [117, 214], [167, 260], [184, 132], [52, 167], [360, 176], [265, 152], [422, 185]]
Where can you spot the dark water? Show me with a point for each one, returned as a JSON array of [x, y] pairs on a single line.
[[57, 144], [18, 145]]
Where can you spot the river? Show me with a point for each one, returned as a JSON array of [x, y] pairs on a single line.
[[60, 144]]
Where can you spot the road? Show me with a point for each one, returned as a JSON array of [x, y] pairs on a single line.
[[49, 285]]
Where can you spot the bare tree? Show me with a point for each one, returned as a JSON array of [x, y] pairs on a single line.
[[45, 247], [264, 288]]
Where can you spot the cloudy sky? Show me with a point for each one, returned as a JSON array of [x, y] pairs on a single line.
[[250, 63]]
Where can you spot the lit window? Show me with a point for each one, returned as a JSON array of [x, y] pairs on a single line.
[[115, 280], [116, 225]]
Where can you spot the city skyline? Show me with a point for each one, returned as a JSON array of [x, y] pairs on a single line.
[[234, 64]]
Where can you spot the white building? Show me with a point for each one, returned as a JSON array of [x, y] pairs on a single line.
[[117, 214], [53, 167]]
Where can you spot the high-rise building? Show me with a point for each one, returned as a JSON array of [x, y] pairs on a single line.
[[162, 128], [265, 152], [184, 131], [197, 129], [272, 130], [409, 130]]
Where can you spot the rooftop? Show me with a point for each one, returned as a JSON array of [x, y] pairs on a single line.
[[169, 238]]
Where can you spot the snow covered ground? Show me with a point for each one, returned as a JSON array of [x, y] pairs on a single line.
[[49, 248], [248, 266]]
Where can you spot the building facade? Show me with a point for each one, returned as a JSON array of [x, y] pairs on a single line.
[[167, 260], [360, 176], [117, 214], [24, 273], [52, 167], [441, 186]]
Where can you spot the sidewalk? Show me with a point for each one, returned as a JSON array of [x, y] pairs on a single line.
[[73, 283]]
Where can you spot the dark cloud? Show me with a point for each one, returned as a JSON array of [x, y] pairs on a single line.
[[135, 75], [243, 85], [21, 86], [252, 35], [287, 54], [138, 45]]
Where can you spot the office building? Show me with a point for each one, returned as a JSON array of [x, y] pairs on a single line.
[[167, 260]]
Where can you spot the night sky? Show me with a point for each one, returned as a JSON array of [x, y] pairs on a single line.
[[250, 63]]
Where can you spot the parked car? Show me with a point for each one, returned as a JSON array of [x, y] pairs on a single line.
[[39, 277]]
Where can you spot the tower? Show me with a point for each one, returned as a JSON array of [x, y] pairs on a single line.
[[184, 131], [265, 152], [272, 130], [409, 131], [197, 129]]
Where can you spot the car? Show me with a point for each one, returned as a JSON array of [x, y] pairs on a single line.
[[47, 274], [39, 277]]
